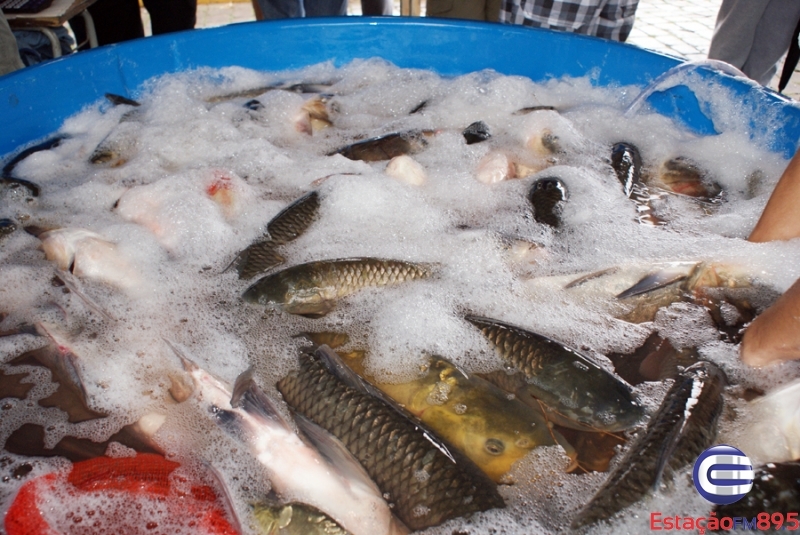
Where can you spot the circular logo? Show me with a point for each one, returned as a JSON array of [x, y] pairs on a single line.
[[723, 474]]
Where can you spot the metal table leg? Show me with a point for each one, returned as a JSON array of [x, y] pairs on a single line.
[[87, 17], [54, 42]]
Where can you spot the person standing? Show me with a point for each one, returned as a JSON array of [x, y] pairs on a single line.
[[609, 19], [464, 9], [753, 35], [290, 9], [121, 20]]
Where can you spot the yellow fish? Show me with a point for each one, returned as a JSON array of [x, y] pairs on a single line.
[[486, 424]]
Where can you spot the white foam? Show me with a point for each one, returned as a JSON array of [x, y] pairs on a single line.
[[179, 239]]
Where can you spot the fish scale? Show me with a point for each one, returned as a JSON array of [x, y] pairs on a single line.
[[312, 288], [570, 383], [426, 485], [285, 227], [684, 425]]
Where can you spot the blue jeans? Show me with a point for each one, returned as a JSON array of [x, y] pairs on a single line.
[[285, 9]]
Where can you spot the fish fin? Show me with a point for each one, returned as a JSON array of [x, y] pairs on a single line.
[[188, 364], [591, 276], [670, 443], [227, 498], [249, 397], [334, 364], [336, 453], [654, 281], [116, 100], [73, 285]]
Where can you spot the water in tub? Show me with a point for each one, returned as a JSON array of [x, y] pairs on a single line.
[[195, 179]]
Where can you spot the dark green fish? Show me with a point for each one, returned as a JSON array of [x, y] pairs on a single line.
[[428, 482], [294, 519], [776, 489], [312, 289], [289, 224], [476, 132], [682, 428], [547, 195], [569, 383], [386, 147]]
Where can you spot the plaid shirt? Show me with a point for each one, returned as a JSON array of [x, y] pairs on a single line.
[[610, 19]]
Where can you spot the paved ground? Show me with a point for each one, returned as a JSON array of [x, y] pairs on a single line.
[[681, 28]]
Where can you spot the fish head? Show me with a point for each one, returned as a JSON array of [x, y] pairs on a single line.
[[490, 427], [620, 411], [495, 438]]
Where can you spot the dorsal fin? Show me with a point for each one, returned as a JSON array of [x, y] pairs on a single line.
[[249, 397]]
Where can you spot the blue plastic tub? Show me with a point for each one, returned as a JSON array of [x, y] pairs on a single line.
[[35, 101]]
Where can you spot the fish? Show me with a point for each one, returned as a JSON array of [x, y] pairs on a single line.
[[545, 143], [476, 132], [425, 479], [386, 147], [531, 109], [709, 284], [568, 382], [686, 177], [289, 224], [294, 519], [473, 415], [775, 490], [312, 289], [302, 88], [87, 254], [119, 100], [681, 429], [318, 117], [7, 226], [113, 150], [547, 196], [7, 174], [340, 488], [627, 164], [70, 396]]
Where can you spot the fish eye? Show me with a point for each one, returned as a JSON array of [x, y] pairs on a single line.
[[494, 446]]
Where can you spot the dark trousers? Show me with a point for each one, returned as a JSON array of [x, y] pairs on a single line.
[[120, 20]]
